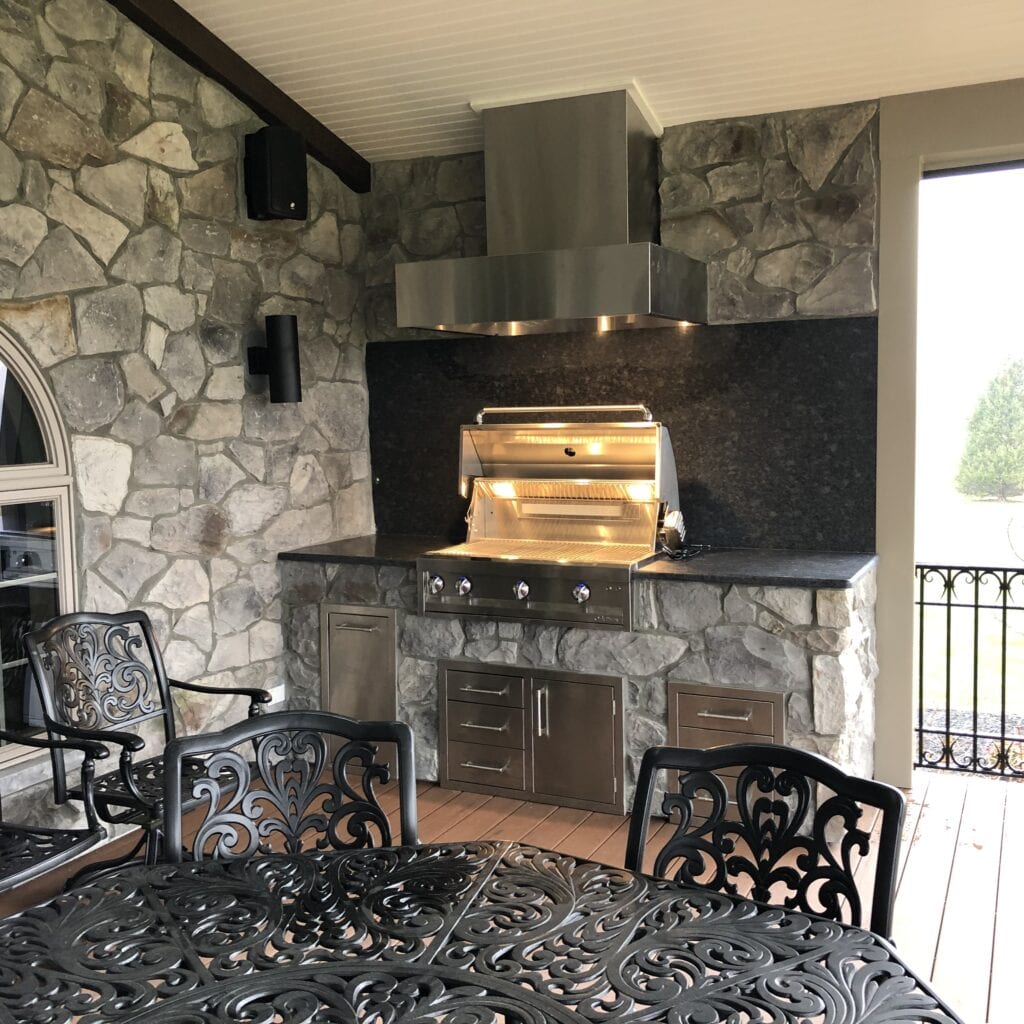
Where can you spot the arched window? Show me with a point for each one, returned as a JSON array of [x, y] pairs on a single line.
[[36, 538]]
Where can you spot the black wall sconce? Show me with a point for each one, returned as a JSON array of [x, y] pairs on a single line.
[[279, 360]]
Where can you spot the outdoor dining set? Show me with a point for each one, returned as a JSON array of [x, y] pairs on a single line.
[[273, 883]]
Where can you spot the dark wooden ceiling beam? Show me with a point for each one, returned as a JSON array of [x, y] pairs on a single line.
[[184, 35]]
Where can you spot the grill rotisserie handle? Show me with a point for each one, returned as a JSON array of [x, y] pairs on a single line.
[[532, 410]]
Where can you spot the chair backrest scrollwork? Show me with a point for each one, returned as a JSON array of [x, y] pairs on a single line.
[[784, 825], [271, 784]]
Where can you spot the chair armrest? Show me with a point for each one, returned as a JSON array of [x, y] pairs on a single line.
[[88, 747], [92, 750], [129, 744], [128, 740], [256, 696]]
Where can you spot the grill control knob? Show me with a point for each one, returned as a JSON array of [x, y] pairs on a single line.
[[463, 585], [521, 589], [435, 584], [581, 593]]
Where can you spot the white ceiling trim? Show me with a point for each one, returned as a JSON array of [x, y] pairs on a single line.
[[395, 78]]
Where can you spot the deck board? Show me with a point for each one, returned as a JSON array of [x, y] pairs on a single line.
[[964, 951], [1004, 992], [921, 896]]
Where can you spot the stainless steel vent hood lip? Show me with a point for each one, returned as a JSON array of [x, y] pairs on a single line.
[[596, 288]]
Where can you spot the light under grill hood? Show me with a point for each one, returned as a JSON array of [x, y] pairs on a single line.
[[572, 228]]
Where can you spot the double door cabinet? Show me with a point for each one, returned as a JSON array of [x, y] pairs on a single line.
[[548, 736]]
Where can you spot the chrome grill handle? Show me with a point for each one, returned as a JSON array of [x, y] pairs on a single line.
[[531, 410]]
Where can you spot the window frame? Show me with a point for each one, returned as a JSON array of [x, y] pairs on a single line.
[[43, 481]]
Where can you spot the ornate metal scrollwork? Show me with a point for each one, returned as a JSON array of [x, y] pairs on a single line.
[[248, 804], [770, 837], [101, 674], [24, 848], [461, 934]]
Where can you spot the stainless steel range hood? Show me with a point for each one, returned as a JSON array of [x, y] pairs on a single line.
[[572, 227]]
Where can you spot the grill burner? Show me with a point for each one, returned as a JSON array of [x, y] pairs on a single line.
[[560, 514]]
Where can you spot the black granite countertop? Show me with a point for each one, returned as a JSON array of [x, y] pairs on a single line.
[[375, 549], [817, 569]]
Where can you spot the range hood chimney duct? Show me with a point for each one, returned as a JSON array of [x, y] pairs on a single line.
[[572, 231]]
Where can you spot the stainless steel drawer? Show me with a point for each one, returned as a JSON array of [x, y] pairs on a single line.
[[485, 688], [486, 765], [701, 739], [485, 723], [727, 714]]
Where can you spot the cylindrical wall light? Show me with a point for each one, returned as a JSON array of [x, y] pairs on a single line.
[[279, 361]]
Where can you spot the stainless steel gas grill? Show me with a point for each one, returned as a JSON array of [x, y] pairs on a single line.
[[560, 513]]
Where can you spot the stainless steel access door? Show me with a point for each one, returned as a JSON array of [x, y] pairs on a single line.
[[357, 664], [577, 739]]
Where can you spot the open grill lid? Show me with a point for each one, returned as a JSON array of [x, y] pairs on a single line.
[[539, 489], [628, 459]]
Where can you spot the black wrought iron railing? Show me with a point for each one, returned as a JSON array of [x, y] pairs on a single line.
[[970, 669]]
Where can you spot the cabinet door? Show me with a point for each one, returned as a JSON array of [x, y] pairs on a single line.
[[358, 670], [576, 740]]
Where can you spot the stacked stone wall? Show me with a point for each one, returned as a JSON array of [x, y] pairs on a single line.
[[130, 272], [783, 208]]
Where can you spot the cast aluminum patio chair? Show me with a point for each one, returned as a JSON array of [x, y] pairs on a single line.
[[100, 678], [757, 819]]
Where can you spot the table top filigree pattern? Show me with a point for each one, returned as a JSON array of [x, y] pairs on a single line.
[[473, 933]]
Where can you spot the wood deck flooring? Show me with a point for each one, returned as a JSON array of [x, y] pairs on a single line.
[[959, 905]]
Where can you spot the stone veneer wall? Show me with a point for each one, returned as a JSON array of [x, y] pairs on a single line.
[[129, 271], [423, 209], [818, 647], [783, 208]]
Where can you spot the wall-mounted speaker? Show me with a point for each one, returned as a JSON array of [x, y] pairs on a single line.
[[275, 174]]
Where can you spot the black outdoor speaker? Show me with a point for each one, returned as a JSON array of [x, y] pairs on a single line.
[[280, 359], [275, 174]]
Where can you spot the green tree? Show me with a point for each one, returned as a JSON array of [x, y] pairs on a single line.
[[992, 464]]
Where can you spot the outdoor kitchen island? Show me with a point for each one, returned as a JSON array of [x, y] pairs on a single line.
[[796, 624]]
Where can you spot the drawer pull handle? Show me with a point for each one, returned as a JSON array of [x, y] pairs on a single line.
[[484, 767], [744, 716], [485, 728], [357, 629], [503, 692]]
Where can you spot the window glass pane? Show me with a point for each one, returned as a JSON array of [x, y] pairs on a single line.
[[28, 598], [21, 440]]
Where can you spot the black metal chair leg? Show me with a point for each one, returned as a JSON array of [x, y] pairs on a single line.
[[108, 865], [154, 844]]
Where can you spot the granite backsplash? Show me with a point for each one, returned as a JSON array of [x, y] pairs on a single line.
[[773, 424]]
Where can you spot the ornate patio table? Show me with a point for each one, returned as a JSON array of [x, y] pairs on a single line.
[[463, 934]]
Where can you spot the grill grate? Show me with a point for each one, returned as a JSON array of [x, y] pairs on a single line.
[[562, 552]]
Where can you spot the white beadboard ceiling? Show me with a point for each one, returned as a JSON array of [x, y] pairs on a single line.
[[394, 78]]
